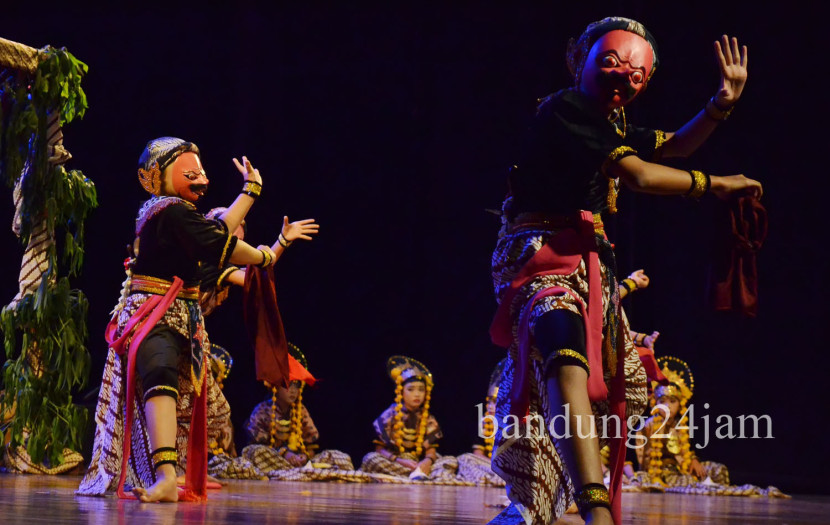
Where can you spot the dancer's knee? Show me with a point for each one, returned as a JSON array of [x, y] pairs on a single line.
[[157, 364], [560, 338]]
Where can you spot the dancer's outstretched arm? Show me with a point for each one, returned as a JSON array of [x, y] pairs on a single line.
[[648, 177], [244, 253]]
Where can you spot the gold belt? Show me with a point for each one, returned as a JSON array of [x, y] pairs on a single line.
[[154, 285], [547, 221]]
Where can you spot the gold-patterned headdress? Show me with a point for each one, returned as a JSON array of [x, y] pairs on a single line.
[[681, 381], [407, 369], [157, 155]]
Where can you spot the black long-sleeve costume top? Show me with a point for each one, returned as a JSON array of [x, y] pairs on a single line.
[[567, 144], [175, 239]]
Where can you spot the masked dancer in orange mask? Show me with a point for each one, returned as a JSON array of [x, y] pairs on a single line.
[[157, 338]]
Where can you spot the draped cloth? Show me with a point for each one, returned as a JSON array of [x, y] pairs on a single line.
[[733, 281], [265, 329], [264, 325]]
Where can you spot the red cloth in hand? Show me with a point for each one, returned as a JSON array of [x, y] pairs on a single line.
[[264, 325], [733, 281]]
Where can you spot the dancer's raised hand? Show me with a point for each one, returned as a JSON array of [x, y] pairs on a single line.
[[732, 60], [249, 174]]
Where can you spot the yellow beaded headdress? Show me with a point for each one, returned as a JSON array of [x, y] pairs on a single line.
[[402, 370], [157, 155], [407, 369], [681, 381], [681, 385], [295, 422], [492, 394]]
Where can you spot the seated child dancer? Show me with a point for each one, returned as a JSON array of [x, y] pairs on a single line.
[[475, 466], [283, 436], [283, 424], [667, 460], [407, 434]]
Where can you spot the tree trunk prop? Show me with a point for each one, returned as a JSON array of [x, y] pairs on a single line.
[[44, 326]]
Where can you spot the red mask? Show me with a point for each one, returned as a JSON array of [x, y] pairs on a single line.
[[617, 68], [186, 177]]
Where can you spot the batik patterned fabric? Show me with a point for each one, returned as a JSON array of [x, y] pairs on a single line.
[[259, 426], [538, 484], [676, 483], [264, 462], [18, 460], [411, 422], [671, 479], [183, 316], [444, 469], [105, 465], [476, 469], [261, 460]]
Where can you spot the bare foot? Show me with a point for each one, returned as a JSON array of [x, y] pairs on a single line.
[[163, 490]]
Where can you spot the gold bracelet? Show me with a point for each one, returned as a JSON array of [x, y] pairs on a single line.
[[164, 456], [266, 257], [252, 188], [700, 184]]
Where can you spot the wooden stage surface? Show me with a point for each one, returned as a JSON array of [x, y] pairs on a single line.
[[45, 499]]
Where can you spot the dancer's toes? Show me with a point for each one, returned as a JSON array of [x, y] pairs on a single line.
[[163, 490]]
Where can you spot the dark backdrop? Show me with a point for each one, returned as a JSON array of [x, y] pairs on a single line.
[[393, 127]]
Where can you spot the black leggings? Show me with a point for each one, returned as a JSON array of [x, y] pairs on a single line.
[[560, 338], [157, 362]]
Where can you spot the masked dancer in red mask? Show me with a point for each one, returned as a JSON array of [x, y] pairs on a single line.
[[569, 354], [156, 336]]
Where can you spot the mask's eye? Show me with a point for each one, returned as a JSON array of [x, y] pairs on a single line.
[[637, 77], [609, 61]]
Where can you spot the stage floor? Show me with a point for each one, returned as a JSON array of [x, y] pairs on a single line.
[[47, 499]]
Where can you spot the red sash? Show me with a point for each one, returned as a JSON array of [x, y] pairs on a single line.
[[145, 319], [561, 256]]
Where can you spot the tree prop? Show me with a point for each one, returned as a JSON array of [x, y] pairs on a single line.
[[44, 326]]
